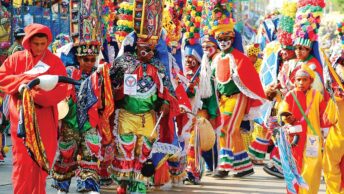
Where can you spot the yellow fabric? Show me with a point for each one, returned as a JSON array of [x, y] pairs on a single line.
[[259, 131], [311, 166], [334, 147], [4, 34], [247, 139], [232, 138], [132, 123], [223, 28]]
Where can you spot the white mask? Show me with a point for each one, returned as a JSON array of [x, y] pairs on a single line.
[[224, 45]]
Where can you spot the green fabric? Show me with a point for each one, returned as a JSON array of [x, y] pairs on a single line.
[[228, 89], [14, 48], [71, 119], [65, 145], [303, 113], [210, 104], [247, 161], [256, 154], [137, 187], [139, 105], [127, 138]]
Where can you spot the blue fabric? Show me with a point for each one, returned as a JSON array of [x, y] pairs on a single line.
[[226, 152], [189, 49], [291, 175], [61, 185], [208, 157], [85, 100], [87, 185], [315, 52], [237, 44], [163, 55]]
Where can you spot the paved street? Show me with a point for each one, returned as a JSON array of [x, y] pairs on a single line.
[[258, 183]]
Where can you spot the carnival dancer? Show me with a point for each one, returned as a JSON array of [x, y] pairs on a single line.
[[20, 68], [334, 146], [276, 57], [240, 95], [302, 109], [142, 92], [85, 129], [305, 42]]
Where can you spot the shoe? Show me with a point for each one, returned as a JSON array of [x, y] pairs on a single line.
[[221, 174], [208, 173], [192, 181], [258, 162], [244, 174], [273, 171]]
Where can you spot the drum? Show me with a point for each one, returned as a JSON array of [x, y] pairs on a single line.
[[206, 133]]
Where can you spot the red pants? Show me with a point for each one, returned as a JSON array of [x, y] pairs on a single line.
[[27, 176]]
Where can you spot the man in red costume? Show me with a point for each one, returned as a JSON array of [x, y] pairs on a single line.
[[20, 68]]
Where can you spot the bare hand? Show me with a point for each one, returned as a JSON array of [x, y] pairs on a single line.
[[165, 109]]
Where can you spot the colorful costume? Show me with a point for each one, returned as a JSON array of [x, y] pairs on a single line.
[[21, 68], [135, 116], [240, 95], [85, 130], [334, 146], [307, 151]]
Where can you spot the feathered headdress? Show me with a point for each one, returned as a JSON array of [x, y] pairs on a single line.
[[222, 16], [125, 23], [307, 21], [108, 18], [286, 25], [85, 27]]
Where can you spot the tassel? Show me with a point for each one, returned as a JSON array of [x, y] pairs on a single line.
[[162, 175], [205, 78]]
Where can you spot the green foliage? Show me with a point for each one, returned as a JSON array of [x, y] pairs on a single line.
[[338, 5]]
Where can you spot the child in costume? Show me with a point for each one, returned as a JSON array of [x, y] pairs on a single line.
[[302, 109]]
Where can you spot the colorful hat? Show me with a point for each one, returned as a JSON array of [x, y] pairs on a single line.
[[307, 22], [222, 20], [148, 20], [305, 71], [286, 25], [192, 22], [85, 27], [108, 17], [172, 17], [253, 49], [125, 23], [340, 31]]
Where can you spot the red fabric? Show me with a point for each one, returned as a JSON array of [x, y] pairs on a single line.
[[33, 29], [293, 108], [27, 177], [249, 78], [342, 171]]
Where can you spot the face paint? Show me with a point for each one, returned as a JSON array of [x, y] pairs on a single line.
[[224, 44], [209, 50], [191, 61]]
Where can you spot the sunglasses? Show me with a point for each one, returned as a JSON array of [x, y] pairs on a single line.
[[89, 60], [220, 39]]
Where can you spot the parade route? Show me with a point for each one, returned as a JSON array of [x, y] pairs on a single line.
[[258, 183]]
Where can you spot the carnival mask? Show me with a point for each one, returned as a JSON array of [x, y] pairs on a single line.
[[191, 61], [224, 42], [209, 49], [144, 52]]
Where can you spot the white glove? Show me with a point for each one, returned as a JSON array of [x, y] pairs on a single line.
[[48, 82], [100, 67], [21, 88]]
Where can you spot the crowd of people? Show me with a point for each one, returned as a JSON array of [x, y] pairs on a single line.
[[169, 93]]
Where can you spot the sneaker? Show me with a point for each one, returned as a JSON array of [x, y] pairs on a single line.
[[221, 174], [244, 174], [273, 171]]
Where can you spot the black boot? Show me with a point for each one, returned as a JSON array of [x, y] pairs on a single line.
[[221, 174], [272, 170], [244, 174]]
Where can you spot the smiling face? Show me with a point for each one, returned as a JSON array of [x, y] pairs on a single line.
[[302, 52]]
